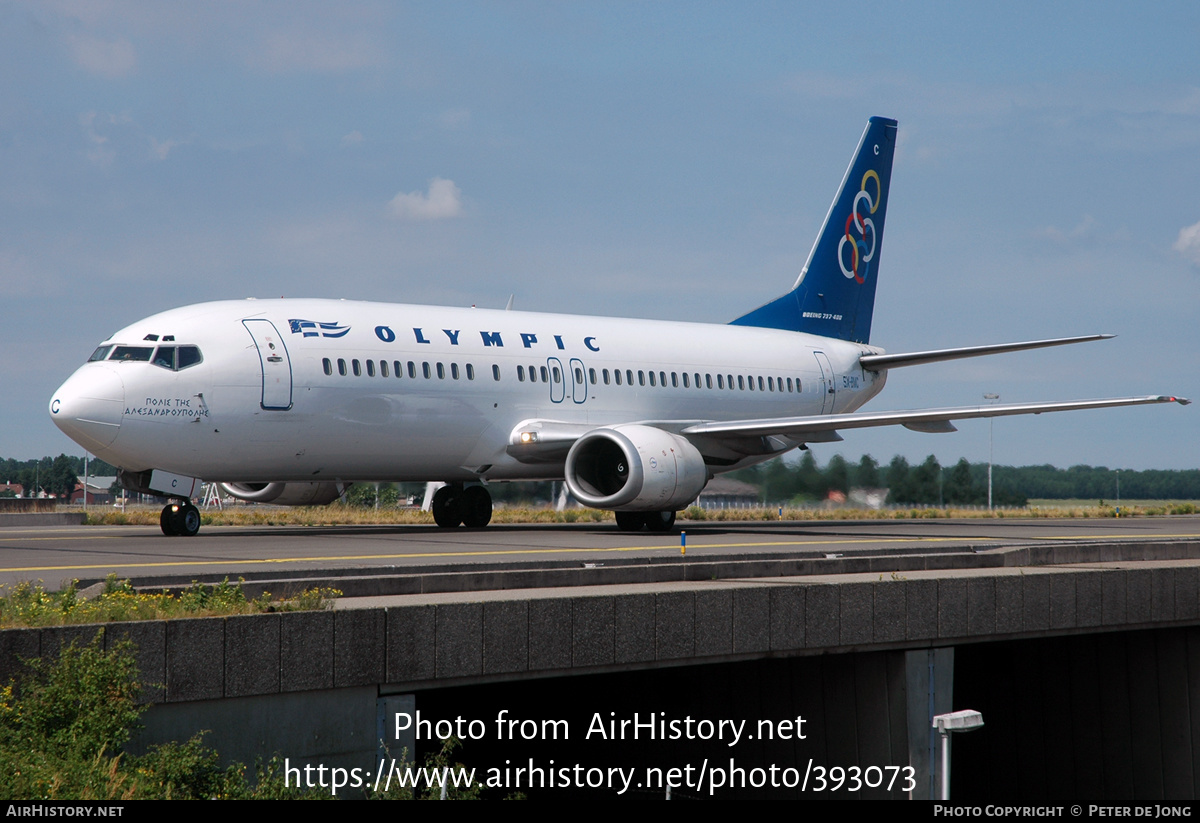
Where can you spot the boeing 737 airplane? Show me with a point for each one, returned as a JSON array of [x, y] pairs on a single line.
[[288, 401]]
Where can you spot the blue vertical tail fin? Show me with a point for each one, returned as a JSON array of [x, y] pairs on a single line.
[[835, 293]]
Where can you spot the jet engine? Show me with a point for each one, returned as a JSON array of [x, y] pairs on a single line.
[[635, 468], [286, 494]]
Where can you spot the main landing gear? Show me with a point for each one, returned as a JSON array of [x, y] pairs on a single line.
[[470, 506], [654, 521], [180, 518]]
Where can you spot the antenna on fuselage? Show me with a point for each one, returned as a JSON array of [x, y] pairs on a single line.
[[508, 305]]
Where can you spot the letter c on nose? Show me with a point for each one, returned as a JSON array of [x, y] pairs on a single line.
[[54, 406]]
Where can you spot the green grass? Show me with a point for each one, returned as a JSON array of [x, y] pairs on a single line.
[[337, 515], [29, 604]]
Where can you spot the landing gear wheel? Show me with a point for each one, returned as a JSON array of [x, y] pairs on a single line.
[[476, 507], [179, 519], [630, 521], [167, 520], [189, 520], [447, 507], [660, 521]]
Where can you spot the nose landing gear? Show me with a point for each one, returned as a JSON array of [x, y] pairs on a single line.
[[179, 518]]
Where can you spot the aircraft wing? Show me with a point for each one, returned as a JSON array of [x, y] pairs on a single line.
[[926, 420], [548, 441]]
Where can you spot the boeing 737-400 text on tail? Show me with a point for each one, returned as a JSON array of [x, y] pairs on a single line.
[[288, 401]]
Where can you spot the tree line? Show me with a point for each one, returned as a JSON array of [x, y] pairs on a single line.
[[963, 484], [784, 482], [52, 475]]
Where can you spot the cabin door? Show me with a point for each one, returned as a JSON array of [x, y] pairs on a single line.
[[828, 383], [276, 365]]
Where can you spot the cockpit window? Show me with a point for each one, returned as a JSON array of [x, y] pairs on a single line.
[[165, 357], [173, 358], [132, 353], [188, 356], [177, 357]]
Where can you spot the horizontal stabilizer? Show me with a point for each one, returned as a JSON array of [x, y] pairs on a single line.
[[874, 362]]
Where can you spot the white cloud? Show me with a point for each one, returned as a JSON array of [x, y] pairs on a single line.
[[108, 59], [353, 138], [301, 52], [163, 148], [1082, 231], [100, 150], [1188, 243], [444, 199]]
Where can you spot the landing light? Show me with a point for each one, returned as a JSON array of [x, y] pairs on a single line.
[[529, 437]]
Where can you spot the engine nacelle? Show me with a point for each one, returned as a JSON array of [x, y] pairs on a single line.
[[635, 468], [286, 494]]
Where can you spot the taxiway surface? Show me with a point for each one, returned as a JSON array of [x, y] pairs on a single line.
[[57, 554]]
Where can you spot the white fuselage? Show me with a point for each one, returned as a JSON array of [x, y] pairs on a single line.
[[269, 400]]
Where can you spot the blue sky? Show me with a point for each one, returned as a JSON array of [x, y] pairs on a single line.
[[651, 160]]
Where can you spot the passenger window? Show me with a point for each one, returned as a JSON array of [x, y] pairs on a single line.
[[520, 374], [398, 368], [327, 366], [741, 383], [605, 375], [425, 370], [707, 380], [760, 383], [100, 354], [470, 372], [579, 375], [370, 368], [557, 375], [383, 372], [441, 370], [592, 375], [454, 370], [354, 364], [617, 374], [641, 378], [412, 369], [651, 378], [341, 367], [546, 375], [662, 379], [495, 372], [789, 384], [720, 382], [675, 381], [629, 376]]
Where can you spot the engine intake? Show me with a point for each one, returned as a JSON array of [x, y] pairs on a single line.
[[635, 468]]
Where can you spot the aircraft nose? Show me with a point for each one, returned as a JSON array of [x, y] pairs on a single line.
[[88, 407]]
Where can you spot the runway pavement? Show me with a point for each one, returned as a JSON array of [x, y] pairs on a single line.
[[57, 554]]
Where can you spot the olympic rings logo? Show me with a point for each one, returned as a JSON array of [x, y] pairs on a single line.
[[859, 220]]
